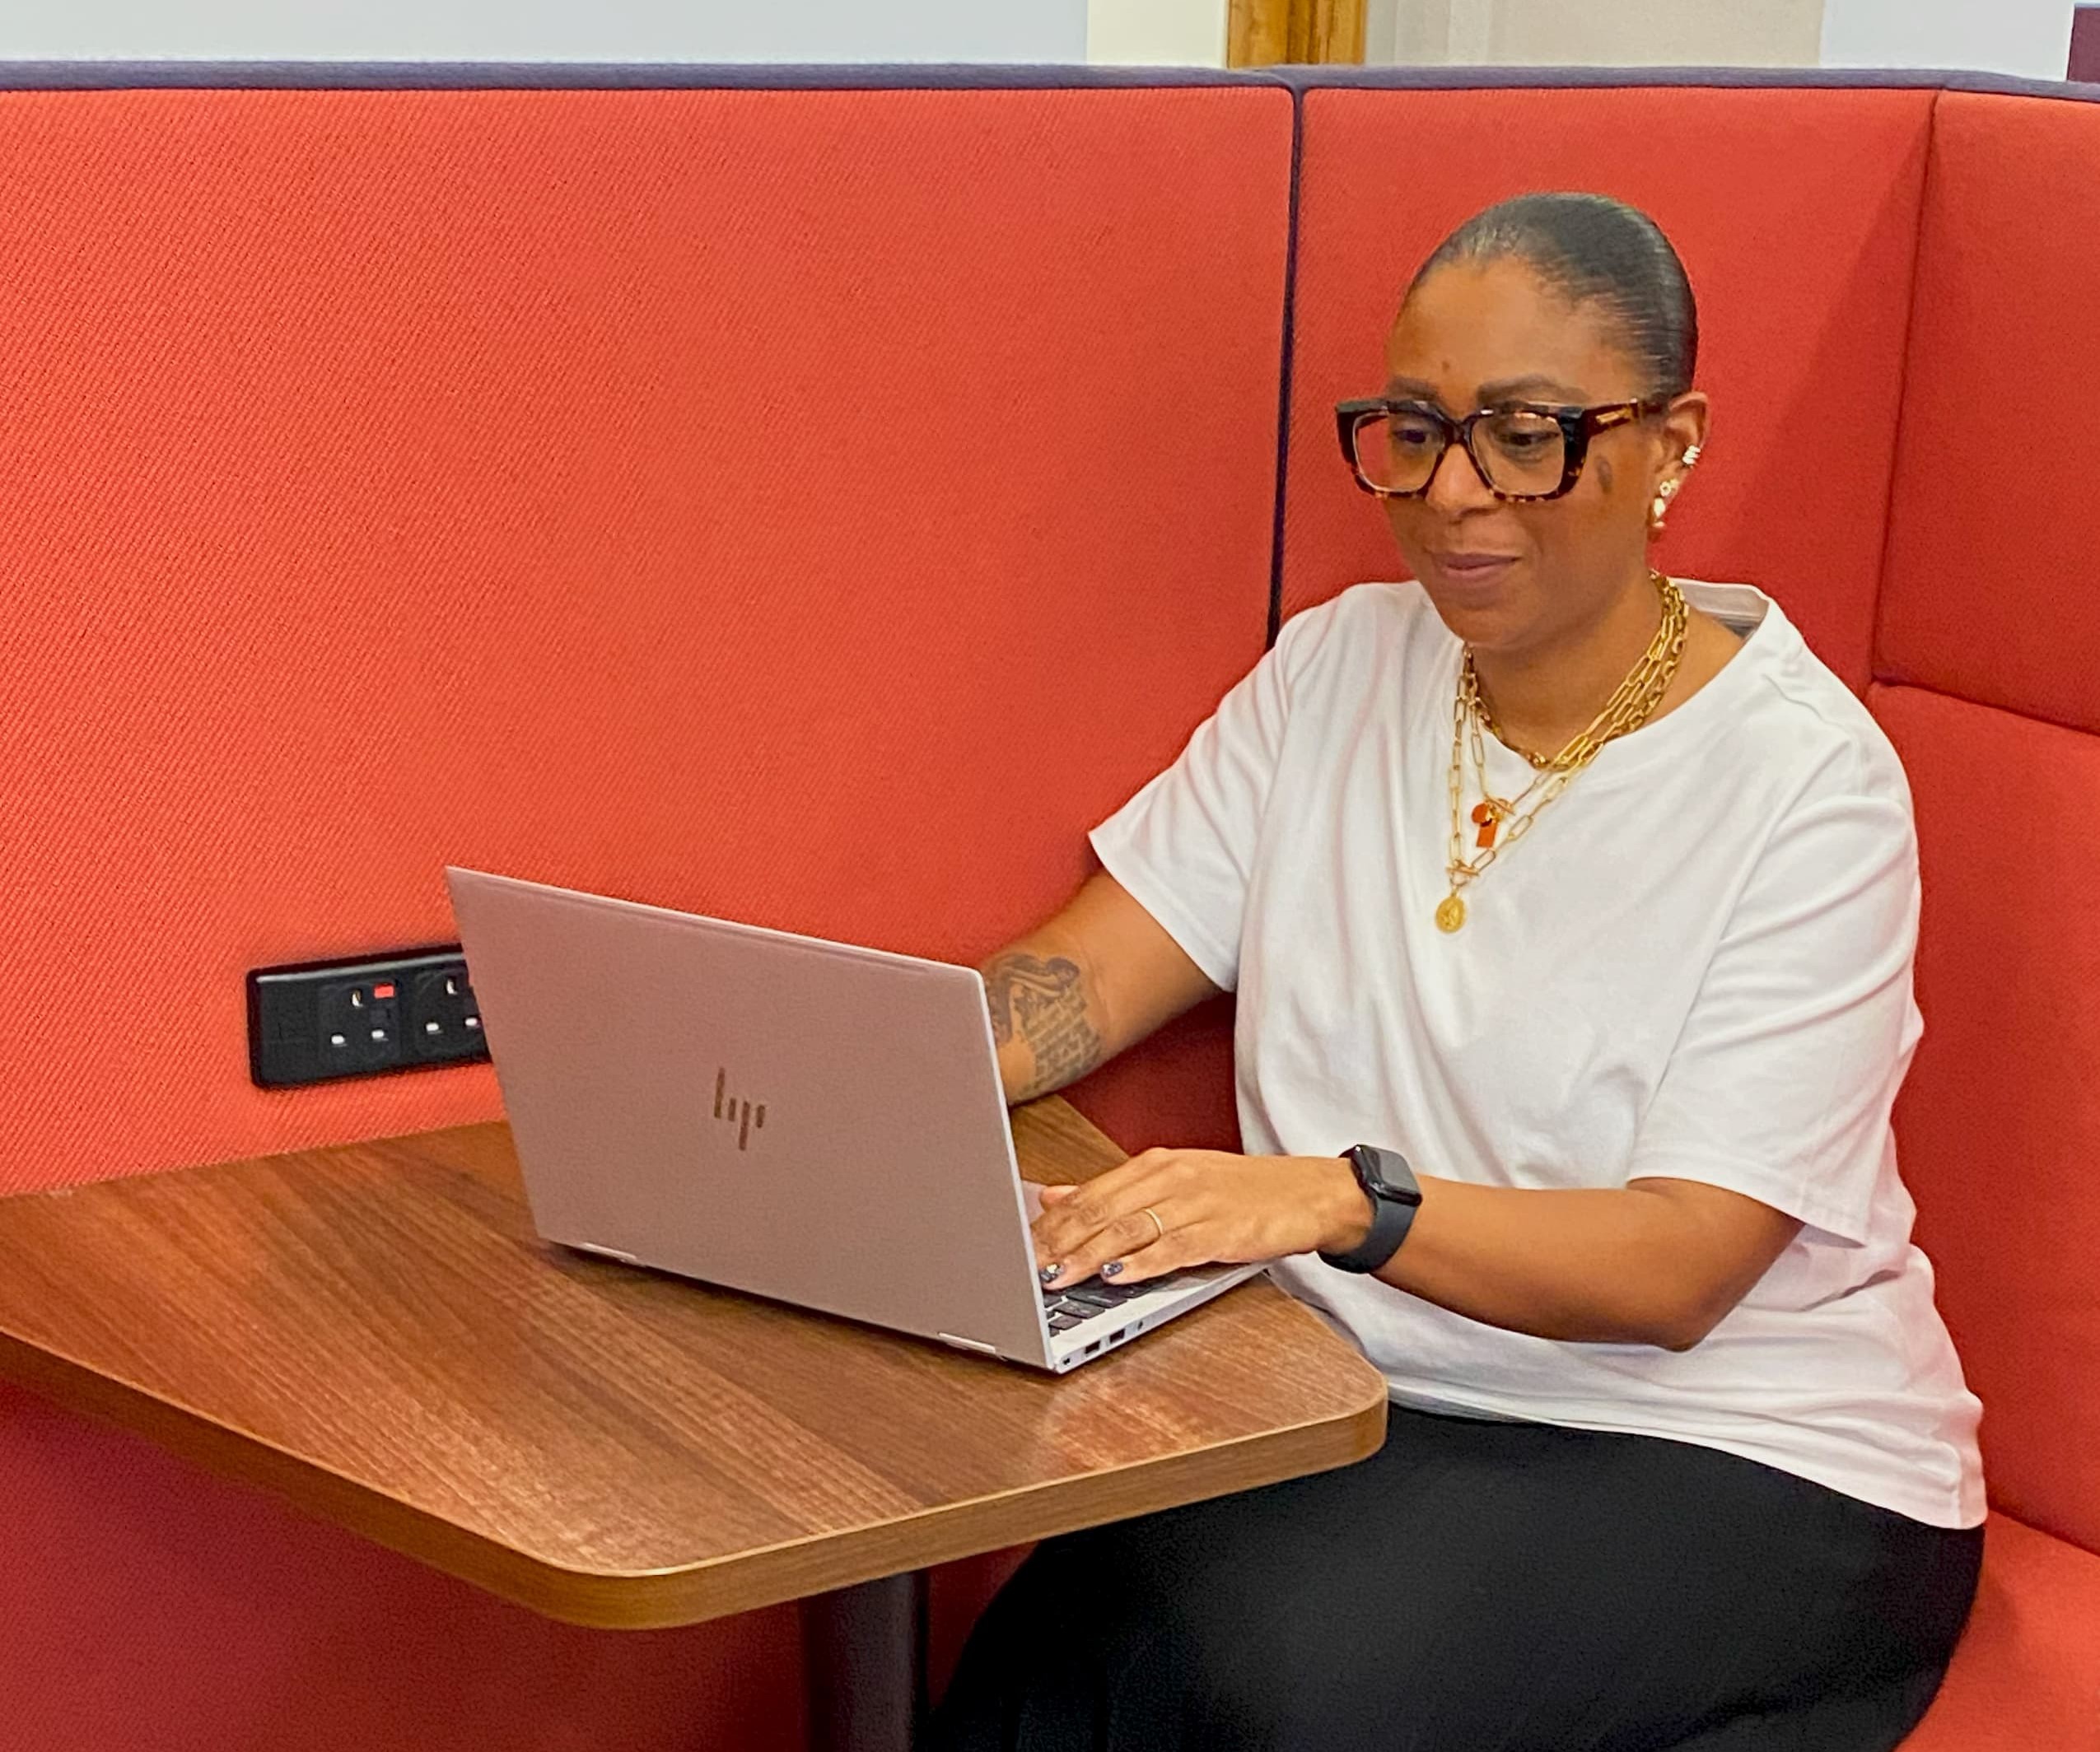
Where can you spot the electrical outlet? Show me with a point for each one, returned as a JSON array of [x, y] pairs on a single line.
[[443, 1021], [357, 1023], [316, 1021]]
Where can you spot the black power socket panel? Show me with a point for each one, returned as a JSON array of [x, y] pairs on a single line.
[[361, 1016]]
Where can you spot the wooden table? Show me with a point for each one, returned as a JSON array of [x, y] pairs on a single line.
[[374, 1332]]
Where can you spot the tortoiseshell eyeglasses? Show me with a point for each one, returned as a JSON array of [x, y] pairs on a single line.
[[1520, 449]]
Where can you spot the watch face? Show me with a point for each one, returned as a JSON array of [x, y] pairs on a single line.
[[1370, 1167]]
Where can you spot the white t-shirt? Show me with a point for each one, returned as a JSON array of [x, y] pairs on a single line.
[[1696, 964]]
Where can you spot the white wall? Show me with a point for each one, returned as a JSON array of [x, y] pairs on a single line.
[[1593, 33], [547, 30], [1157, 33], [2032, 37]]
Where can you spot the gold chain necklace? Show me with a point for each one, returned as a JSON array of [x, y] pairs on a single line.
[[1629, 707]]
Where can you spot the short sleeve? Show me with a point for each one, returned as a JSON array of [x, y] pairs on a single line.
[[1781, 1081], [1184, 846]]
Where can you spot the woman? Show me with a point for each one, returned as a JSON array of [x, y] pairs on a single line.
[[1587, 904]]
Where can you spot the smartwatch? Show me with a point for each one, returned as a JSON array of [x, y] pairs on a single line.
[[1389, 1184]]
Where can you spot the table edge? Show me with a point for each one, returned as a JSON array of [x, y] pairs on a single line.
[[738, 1581]]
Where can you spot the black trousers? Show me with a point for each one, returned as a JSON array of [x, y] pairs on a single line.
[[1478, 1587]]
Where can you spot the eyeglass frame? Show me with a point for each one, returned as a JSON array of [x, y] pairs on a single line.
[[1578, 426]]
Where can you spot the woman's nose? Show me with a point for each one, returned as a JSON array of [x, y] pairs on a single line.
[[1455, 484]]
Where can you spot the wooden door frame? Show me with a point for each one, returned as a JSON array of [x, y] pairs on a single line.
[[1260, 33]]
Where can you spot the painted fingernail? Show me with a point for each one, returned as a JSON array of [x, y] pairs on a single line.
[[1050, 1273], [1112, 1268]]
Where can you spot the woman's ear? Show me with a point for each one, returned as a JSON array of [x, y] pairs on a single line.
[[1683, 437]]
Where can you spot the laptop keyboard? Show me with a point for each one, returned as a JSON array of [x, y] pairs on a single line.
[[1071, 1307]]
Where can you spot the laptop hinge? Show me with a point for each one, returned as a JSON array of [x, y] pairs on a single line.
[[975, 1344]]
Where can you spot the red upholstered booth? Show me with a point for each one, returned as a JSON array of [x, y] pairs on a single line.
[[1988, 679], [819, 502], [776, 502], [1883, 347], [1803, 280]]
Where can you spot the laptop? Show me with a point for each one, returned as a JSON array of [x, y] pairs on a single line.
[[812, 1121]]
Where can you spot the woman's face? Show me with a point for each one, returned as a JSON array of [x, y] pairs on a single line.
[[1510, 576]]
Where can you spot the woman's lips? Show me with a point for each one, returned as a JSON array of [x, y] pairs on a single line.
[[1472, 570]]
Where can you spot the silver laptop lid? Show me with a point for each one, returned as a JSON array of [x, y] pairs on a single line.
[[804, 1120]]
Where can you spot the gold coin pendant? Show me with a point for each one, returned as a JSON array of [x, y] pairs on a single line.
[[1450, 914]]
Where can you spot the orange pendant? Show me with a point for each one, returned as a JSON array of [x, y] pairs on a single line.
[[1489, 820]]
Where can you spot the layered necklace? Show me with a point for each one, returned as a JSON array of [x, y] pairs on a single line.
[[1500, 823]]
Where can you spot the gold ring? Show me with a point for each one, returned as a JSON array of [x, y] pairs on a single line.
[[1156, 1222]]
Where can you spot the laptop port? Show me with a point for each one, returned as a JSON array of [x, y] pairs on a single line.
[[1117, 1336], [1091, 1348]]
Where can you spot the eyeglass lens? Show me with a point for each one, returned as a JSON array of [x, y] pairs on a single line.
[[1518, 452]]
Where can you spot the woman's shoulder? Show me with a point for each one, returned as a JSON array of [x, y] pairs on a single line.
[[1790, 705]]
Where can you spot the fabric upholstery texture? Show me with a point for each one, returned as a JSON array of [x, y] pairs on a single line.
[[786, 504], [817, 496], [1804, 283], [1999, 1123], [730, 500], [2025, 1677], [1991, 590]]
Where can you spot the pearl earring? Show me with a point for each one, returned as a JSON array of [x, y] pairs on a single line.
[[1661, 505]]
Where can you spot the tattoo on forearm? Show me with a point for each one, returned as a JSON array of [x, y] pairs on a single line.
[[1043, 1002]]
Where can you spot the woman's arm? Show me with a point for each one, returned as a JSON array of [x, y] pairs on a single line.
[[1098, 976], [1654, 1262], [1773, 1110]]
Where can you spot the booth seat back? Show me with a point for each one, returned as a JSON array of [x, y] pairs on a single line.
[[1898, 358], [1897, 288], [1943, 286], [817, 506], [1989, 681], [1803, 277], [776, 503]]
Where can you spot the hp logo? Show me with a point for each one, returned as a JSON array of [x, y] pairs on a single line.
[[742, 1115]]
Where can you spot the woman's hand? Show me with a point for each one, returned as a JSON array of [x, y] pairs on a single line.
[[1213, 1208]]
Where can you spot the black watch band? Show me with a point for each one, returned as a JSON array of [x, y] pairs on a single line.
[[1389, 1184]]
